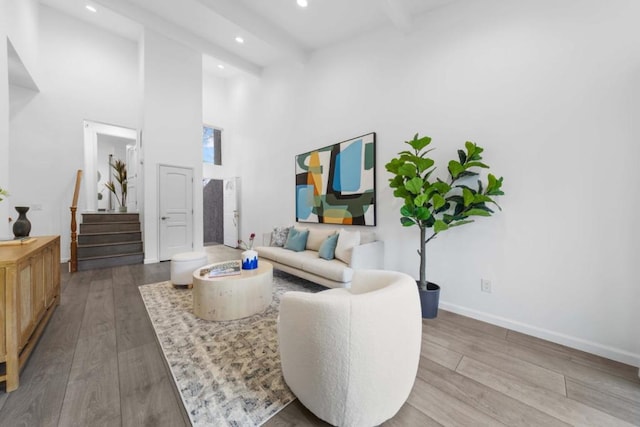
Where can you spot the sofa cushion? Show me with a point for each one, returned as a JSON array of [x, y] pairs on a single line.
[[295, 259], [332, 270], [346, 241], [328, 247], [279, 236], [317, 236], [296, 240]]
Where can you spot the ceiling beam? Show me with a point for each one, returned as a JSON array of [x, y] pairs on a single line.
[[253, 23], [180, 34], [397, 14]]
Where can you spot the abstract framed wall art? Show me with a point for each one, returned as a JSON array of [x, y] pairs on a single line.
[[337, 184]]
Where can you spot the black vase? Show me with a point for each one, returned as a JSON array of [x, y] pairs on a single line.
[[22, 226]]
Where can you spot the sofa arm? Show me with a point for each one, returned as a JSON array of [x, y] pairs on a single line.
[[369, 256]]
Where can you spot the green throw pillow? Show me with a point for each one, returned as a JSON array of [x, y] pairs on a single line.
[[296, 240], [328, 247]]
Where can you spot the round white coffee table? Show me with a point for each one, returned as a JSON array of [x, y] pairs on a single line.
[[233, 297]]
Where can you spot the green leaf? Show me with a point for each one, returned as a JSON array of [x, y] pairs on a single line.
[[421, 200], [471, 149], [463, 222], [419, 143], [467, 196], [406, 210], [479, 186], [444, 208], [478, 212], [414, 185], [481, 198], [441, 187], [397, 181], [408, 170], [393, 165], [407, 222], [467, 173], [476, 164], [439, 226], [455, 168], [438, 201], [424, 164], [494, 185], [422, 213], [401, 192], [462, 156]]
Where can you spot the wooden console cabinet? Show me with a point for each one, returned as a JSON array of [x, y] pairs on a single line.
[[29, 293]]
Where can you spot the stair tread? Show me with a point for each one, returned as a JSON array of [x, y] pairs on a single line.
[[109, 256], [108, 233], [94, 245]]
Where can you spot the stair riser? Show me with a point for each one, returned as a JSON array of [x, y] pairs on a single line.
[[109, 217], [92, 264], [119, 249], [85, 239], [109, 227]]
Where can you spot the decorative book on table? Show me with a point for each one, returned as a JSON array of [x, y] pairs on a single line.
[[222, 269]]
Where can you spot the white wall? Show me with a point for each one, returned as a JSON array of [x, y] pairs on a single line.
[[5, 231], [549, 89], [215, 112], [86, 73], [22, 30], [172, 126]]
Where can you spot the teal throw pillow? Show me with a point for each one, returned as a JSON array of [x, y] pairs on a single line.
[[296, 240], [328, 247]]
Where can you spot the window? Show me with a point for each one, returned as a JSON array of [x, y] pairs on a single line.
[[211, 145]]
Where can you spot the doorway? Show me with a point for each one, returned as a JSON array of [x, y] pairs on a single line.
[[213, 211], [101, 140]]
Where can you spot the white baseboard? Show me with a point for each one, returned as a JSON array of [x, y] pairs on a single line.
[[151, 260], [612, 353]]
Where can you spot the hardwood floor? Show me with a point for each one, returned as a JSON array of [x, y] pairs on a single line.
[[98, 363]]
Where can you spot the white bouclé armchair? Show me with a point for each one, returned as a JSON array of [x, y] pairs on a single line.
[[351, 355]]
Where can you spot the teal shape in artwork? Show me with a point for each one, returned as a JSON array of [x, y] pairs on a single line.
[[348, 168], [304, 201]]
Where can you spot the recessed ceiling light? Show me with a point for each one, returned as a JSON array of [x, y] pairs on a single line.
[[221, 66], [302, 3], [239, 39], [91, 8]]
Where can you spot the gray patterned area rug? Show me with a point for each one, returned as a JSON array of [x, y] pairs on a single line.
[[228, 373]]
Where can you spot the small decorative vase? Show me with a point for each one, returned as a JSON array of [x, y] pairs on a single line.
[[249, 260], [22, 226], [122, 209]]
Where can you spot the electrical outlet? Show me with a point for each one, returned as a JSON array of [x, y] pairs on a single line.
[[485, 285]]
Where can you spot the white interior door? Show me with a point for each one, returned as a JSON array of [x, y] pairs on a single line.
[[175, 195], [231, 216]]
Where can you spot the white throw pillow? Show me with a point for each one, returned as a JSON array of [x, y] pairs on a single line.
[[346, 241], [317, 236]]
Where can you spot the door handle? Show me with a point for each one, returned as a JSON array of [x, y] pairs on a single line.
[[164, 217]]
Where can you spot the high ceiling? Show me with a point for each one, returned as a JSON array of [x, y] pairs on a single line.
[[273, 30]]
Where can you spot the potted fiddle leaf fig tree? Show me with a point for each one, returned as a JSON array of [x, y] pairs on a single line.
[[437, 205]]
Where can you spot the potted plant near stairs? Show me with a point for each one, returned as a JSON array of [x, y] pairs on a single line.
[[120, 175], [431, 203]]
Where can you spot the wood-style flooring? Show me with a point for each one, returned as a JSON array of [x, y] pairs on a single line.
[[98, 364]]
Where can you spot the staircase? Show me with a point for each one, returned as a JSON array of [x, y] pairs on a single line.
[[109, 240]]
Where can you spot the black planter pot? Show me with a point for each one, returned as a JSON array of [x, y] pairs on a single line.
[[429, 300], [22, 226]]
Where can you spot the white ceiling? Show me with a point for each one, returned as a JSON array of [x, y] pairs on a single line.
[[273, 30]]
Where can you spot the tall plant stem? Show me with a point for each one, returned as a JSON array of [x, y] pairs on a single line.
[[423, 258]]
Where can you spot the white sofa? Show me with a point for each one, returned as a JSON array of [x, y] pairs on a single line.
[[351, 355], [335, 273]]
